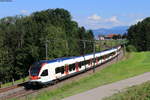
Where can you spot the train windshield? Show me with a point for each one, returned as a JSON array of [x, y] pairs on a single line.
[[35, 69]]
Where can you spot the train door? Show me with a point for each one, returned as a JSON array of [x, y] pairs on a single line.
[[58, 72], [104, 57], [45, 75], [66, 69], [77, 67], [90, 63], [97, 60]]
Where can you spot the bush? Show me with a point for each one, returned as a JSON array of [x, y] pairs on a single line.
[[131, 48]]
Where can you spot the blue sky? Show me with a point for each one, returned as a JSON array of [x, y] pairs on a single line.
[[92, 14]]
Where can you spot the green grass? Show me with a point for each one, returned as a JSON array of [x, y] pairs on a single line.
[[106, 44], [139, 92], [15, 82], [134, 64]]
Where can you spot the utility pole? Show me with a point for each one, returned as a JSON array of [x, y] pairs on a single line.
[[94, 56], [67, 48], [99, 42], [0, 84], [84, 46], [46, 50], [124, 49]]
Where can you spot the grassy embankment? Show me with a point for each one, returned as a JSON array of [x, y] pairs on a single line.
[[134, 64], [106, 44], [15, 82], [139, 92]]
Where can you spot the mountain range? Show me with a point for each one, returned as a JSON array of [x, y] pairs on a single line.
[[114, 30]]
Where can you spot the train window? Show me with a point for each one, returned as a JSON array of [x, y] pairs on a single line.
[[104, 57], [111, 54], [90, 61], [58, 70], [107, 55], [87, 61], [79, 65], [45, 73], [35, 68], [62, 70], [94, 60], [83, 63], [99, 58], [71, 67]]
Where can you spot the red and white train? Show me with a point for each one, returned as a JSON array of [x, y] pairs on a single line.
[[48, 71]]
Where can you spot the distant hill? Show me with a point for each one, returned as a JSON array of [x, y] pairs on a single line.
[[116, 30]]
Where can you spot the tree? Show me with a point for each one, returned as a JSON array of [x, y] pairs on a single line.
[[139, 35]]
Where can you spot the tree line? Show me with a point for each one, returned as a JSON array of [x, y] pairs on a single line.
[[139, 35], [23, 39]]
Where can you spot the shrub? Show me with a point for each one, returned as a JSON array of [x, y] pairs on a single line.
[[131, 48]]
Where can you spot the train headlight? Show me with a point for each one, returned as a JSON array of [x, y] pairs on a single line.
[[34, 77]]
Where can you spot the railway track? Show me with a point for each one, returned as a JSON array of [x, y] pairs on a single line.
[[20, 91], [7, 92], [19, 94], [11, 87], [8, 88]]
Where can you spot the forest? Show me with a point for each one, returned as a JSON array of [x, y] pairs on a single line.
[[139, 35], [23, 40]]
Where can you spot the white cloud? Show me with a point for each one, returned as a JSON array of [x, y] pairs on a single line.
[[113, 19], [94, 21], [24, 12], [98, 19], [94, 17]]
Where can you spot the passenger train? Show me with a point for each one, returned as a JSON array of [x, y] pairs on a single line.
[[48, 71]]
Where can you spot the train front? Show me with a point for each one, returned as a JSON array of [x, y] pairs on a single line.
[[34, 73]]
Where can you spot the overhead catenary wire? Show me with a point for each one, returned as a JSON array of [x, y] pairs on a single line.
[[93, 42]]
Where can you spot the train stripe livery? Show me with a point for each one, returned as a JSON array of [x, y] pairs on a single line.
[[48, 71]]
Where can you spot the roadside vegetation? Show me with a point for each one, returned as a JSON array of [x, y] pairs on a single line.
[[132, 65], [106, 44], [15, 82], [138, 92]]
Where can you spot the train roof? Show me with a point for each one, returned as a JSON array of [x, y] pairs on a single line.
[[54, 60], [69, 58]]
